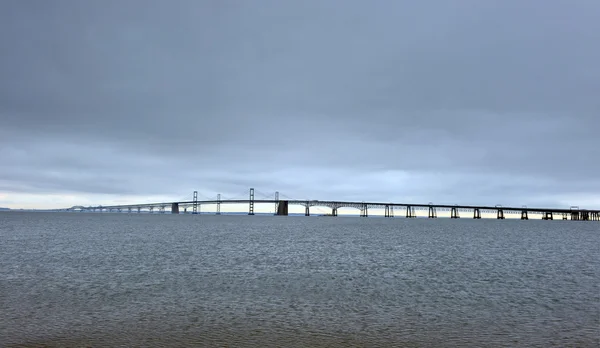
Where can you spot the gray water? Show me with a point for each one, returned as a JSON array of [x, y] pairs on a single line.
[[77, 279]]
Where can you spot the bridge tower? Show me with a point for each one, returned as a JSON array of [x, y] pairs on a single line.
[[195, 205], [251, 202], [219, 204], [524, 215]]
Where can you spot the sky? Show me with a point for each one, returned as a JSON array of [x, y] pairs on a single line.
[[451, 102]]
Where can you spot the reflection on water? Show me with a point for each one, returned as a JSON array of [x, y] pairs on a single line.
[[250, 281]]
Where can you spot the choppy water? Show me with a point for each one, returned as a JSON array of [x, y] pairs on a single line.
[[165, 280]]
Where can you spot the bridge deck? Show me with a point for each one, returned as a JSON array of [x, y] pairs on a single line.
[[342, 204]]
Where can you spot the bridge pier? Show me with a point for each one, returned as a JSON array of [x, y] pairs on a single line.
[[139, 209], [389, 211], [585, 215], [410, 212], [175, 208], [547, 216], [476, 213], [364, 211], [334, 211], [219, 204], [454, 213], [282, 208], [432, 214], [307, 209], [500, 214], [162, 209], [524, 215]]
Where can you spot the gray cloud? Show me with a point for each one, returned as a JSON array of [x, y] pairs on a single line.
[[457, 102]]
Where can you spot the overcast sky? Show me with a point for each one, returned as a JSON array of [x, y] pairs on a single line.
[[475, 102]]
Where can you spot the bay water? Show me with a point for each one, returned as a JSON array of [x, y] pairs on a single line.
[[160, 280]]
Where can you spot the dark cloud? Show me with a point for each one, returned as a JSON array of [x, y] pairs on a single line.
[[454, 102]]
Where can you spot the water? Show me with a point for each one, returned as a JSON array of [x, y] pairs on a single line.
[[248, 281]]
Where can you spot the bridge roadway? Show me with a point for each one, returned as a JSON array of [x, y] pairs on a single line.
[[573, 213]]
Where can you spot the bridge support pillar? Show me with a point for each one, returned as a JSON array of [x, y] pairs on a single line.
[[476, 214], [500, 215], [276, 201], [129, 210], [307, 209], [364, 211], [162, 209], [334, 211], [548, 216], [585, 215], [410, 212], [282, 208], [389, 211], [175, 208], [139, 209], [219, 204], [432, 214], [524, 215], [454, 213]]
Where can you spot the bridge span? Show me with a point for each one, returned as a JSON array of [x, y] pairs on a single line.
[[407, 210]]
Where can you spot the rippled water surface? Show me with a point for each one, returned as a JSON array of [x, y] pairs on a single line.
[[78, 279]]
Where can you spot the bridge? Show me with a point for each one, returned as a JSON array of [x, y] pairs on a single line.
[[407, 210]]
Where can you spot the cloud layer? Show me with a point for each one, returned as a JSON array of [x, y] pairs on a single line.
[[454, 102]]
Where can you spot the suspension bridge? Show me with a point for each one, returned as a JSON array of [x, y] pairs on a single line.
[[281, 206]]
